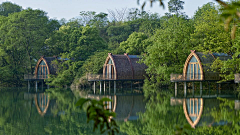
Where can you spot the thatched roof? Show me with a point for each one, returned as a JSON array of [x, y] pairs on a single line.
[[126, 107], [51, 67], [202, 115], [205, 61], [126, 66]]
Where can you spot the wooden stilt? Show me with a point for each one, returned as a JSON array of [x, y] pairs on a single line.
[[104, 87], [94, 87], [36, 86], [185, 89], [193, 88], [100, 87], [109, 87], [201, 89], [131, 88], [115, 87], [122, 86], [175, 89], [28, 85], [219, 89], [208, 88], [42, 85]]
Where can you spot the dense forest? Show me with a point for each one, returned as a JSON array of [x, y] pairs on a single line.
[[163, 41]]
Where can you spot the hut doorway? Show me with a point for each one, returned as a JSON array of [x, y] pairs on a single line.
[[193, 69], [42, 70], [109, 73]]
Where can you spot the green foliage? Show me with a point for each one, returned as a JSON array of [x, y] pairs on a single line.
[[183, 130], [169, 50], [22, 39], [136, 44], [118, 34], [160, 117], [175, 6], [226, 113], [8, 8], [102, 117], [209, 34]]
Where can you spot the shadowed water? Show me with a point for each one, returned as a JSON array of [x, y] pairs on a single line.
[[53, 111]]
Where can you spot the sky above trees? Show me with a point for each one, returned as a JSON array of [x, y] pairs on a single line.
[[69, 9]]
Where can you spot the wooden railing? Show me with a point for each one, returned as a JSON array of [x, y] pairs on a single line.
[[236, 78], [195, 77], [93, 77], [34, 77]]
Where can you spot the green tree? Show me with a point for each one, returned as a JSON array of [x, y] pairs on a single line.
[[8, 8], [169, 50], [175, 6], [209, 34], [136, 44], [22, 39]]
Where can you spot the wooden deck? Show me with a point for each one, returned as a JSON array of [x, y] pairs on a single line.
[[192, 78], [32, 77], [101, 77], [237, 78]]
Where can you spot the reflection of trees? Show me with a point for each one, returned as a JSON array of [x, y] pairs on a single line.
[[159, 118], [20, 116], [227, 118]]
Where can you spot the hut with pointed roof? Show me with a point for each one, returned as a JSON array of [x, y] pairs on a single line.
[[120, 68], [197, 68], [43, 68], [123, 67], [126, 107]]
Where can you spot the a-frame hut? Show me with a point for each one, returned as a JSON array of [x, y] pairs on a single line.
[[123, 67], [197, 68], [44, 67]]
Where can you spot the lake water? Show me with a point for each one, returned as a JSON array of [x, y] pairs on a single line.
[[53, 111]]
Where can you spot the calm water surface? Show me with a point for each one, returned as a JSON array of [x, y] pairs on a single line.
[[53, 111]]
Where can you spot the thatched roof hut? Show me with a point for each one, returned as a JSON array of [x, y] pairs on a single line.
[[42, 102], [45, 66], [126, 107], [123, 67], [198, 111], [197, 67]]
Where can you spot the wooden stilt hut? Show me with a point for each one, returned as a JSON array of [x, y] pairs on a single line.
[[120, 68], [123, 67], [197, 68]]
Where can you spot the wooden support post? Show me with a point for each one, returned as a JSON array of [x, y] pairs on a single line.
[[175, 89], [193, 89], [42, 85], [138, 86], [104, 87], [94, 87], [122, 86], [115, 87], [131, 88], [217, 89], [208, 88], [109, 87], [36, 86], [201, 89], [28, 85], [100, 87], [48, 86], [185, 89]]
